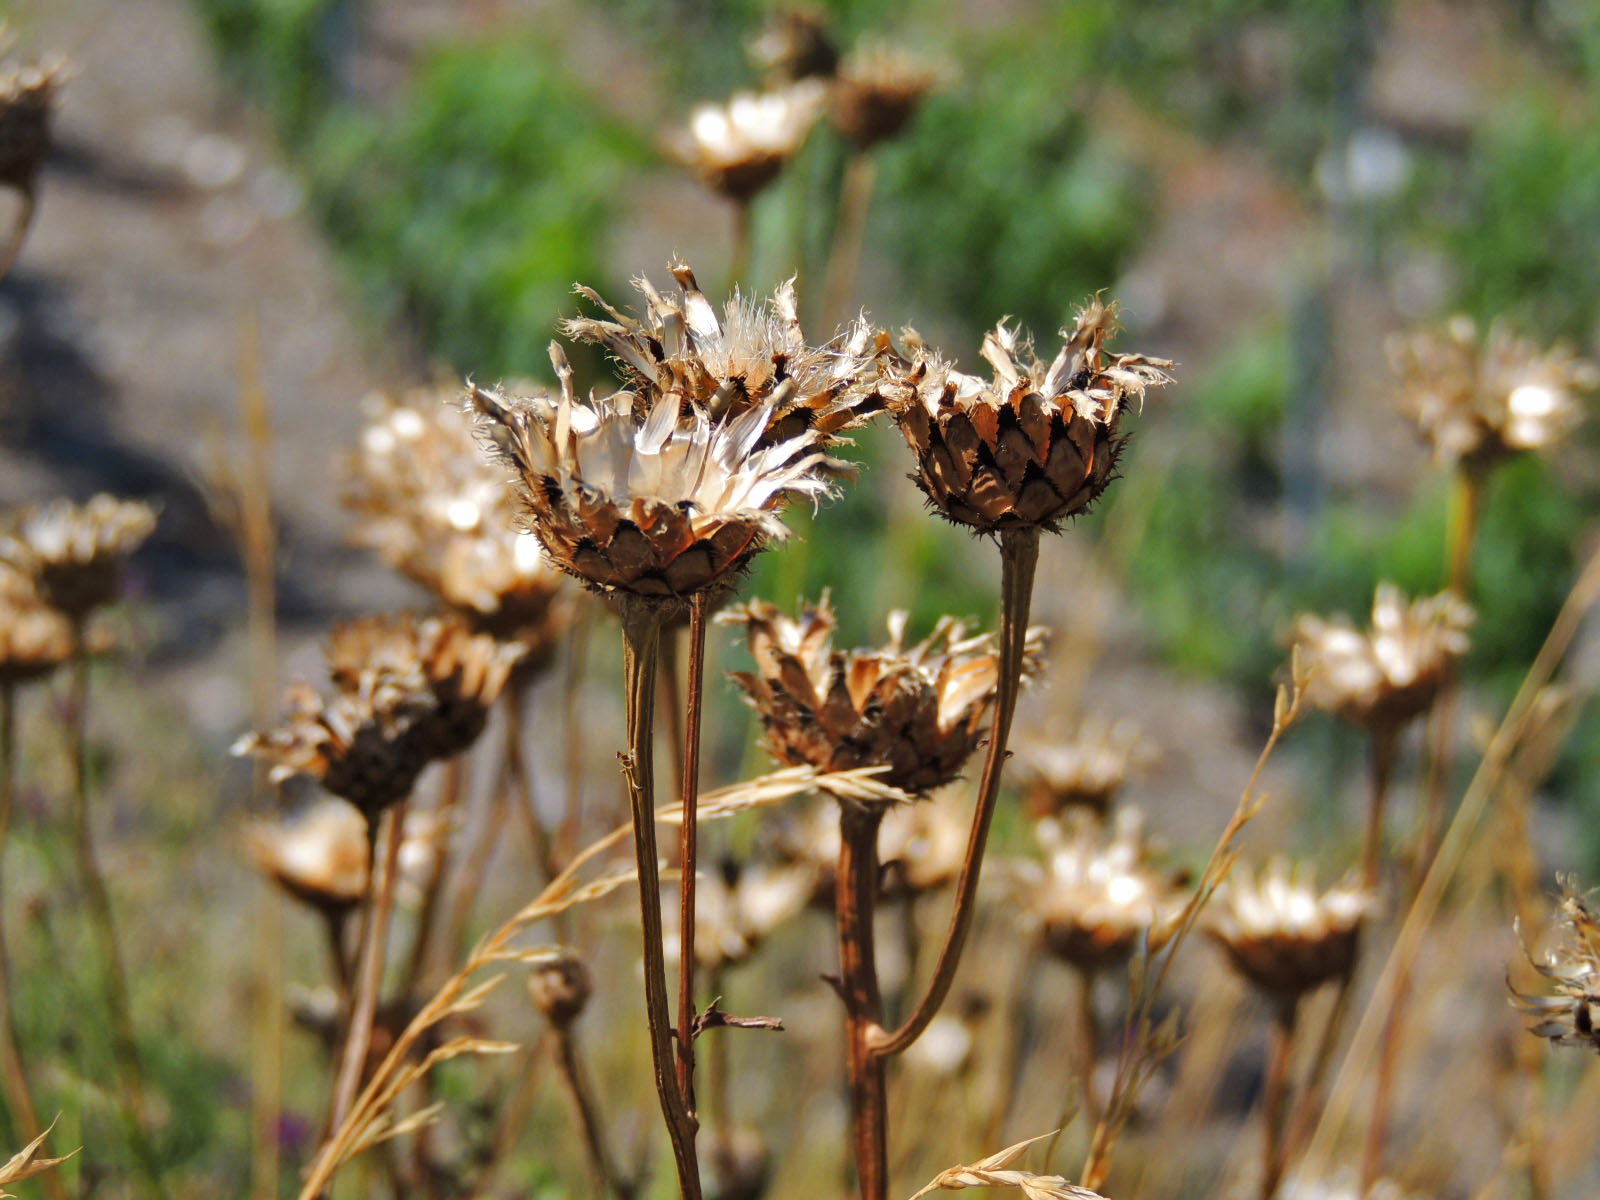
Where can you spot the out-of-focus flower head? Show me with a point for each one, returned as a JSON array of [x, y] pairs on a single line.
[[737, 906], [318, 855], [1035, 445], [1392, 673], [920, 847], [35, 639], [878, 88], [560, 988], [1281, 934], [1569, 1016], [796, 44], [1479, 400], [27, 101], [73, 554], [917, 710], [1086, 771], [741, 146]]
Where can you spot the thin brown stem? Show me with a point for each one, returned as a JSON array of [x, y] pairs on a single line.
[[1019, 556], [474, 868], [335, 921], [849, 236], [1308, 1107], [669, 698], [690, 797], [1087, 1042], [739, 259], [641, 639], [1275, 1099], [369, 983], [519, 776], [573, 729], [19, 231], [1383, 1091], [433, 890], [856, 896], [1384, 744], [573, 1078]]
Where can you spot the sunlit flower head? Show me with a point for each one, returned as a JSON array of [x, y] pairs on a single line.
[[741, 146], [1282, 934], [73, 554], [1570, 1014]]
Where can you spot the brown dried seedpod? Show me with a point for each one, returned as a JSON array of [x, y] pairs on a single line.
[[35, 639], [1086, 771], [318, 855], [441, 515], [796, 45], [755, 355], [662, 509], [1283, 936], [27, 101], [560, 989], [1384, 678], [741, 146], [1036, 445], [877, 90], [73, 554], [1571, 1016], [1479, 400], [918, 710]]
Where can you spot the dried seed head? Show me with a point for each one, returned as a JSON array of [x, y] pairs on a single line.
[[877, 90], [755, 356], [740, 147], [1086, 772], [73, 553], [737, 906], [1096, 894], [1385, 677], [35, 639], [441, 515], [560, 989], [1035, 446], [1281, 935], [741, 1165], [1477, 401], [319, 855], [661, 510], [1571, 1016], [920, 846], [919, 710], [27, 100], [406, 692], [796, 45]]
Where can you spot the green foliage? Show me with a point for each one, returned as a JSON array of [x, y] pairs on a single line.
[[282, 51]]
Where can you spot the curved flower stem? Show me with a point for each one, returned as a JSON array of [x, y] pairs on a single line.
[[18, 1095], [641, 641], [856, 896], [1384, 744], [1019, 556], [1275, 1101], [374, 938], [687, 847]]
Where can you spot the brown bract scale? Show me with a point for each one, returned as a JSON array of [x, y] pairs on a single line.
[[560, 989], [741, 146], [318, 855], [876, 91], [72, 554], [918, 710], [441, 515], [1392, 673], [1479, 400], [1086, 771], [1281, 934], [754, 355], [660, 509], [27, 100], [1096, 895], [406, 692], [1570, 1015], [1031, 447]]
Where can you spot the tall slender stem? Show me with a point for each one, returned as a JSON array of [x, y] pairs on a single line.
[[19, 231], [687, 846], [1088, 1041], [1275, 1101], [18, 1095], [576, 1082], [739, 260], [1383, 1090], [857, 888], [1384, 744], [369, 982], [641, 640], [849, 236], [1019, 556]]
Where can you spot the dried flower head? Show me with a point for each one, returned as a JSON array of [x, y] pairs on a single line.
[[27, 100], [1571, 1016], [1034, 446], [560, 989], [1085, 772], [661, 509], [1385, 677], [1477, 400], [318, 855], [755, 356], [741, 146], [72, 554], [438, 513], [876, 91], [741, 1164], [738, 905], [1281, 934], [1096, 894], [918, 710], [796, 45], [406, 692], [35, 639]]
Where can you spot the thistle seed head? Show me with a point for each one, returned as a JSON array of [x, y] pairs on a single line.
[[72, 554], [1392, 673], [1283, 936], [1570, 1016], [918, 710], [796, 45], [1085, 772], [35, 639], [1479, 400], [560, 989], [1034, 446], [740, 147], [318, 855], [877, 91]]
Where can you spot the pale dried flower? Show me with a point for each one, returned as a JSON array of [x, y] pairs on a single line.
[[741, 146], [35, 639], [797, 44], [737, 906], [560, 988], [877, 90], [27, 101], [1570, 1016], [73, 554], [662, 509], [437, 512], [1034, 446], [1392, 673], [1096, 895], [1477, 401], [756, 355], [1284, 936], [318, 855], [1086, 771], [919, 710]]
